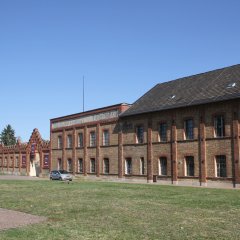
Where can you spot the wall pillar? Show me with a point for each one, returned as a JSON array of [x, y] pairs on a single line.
[[98, 151], [85, 151], [2, 160], [149, 153], [235, 147], [64, 165], [120, 153], [27, 163], [8, 162], [202, 142], [174, 153], [41, 160], [74, 151], [20, 161], [50, 151], [13, 162]]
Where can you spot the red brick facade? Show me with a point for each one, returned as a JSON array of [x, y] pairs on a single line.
[[204, 148], [30, 158]]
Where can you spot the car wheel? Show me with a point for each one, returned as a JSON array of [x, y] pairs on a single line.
[[51, 178], [60, 179]]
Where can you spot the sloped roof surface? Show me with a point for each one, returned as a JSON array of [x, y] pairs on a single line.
[[213, 86]]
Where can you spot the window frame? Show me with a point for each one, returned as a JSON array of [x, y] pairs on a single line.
[[59, 165], [128, 171], [69, 166], [60, 142], [92, 166], [92, 141], [188, 135], [139, 140], [215, 127], [80, 165], [188, 171], [160, 138], [142, 166], [218, 169], [69, 142], [104, 142], [104, 166], [160, 166], [80, 140]]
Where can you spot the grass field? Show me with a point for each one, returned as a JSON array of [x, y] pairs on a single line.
[[98, 210]]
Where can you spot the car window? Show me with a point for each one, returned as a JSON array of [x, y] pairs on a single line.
[[63, 171]]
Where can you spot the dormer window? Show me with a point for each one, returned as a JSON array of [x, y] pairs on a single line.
[[231, 85]]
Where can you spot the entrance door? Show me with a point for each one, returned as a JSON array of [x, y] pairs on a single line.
[[34, 165]]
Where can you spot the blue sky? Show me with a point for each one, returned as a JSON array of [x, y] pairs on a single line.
[[122, 47]]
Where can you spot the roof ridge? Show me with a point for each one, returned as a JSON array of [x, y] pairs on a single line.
[[195, 89], [198, 74]]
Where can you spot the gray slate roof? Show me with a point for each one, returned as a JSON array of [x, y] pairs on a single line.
[[213, 86]]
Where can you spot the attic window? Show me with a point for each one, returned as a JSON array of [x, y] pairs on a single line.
[[172, 96], [231, 85]]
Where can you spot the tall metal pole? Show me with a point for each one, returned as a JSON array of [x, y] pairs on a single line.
[[83, 94]]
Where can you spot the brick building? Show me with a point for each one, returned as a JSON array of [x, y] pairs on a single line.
[[184, 131], [31, 158], [87, 143]]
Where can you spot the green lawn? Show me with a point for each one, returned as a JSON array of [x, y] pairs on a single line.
[[98, 210]]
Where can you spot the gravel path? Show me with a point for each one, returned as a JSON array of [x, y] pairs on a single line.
[[14, 219], [13, 177]]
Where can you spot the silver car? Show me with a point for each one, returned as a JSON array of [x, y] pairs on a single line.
[[60, 175]]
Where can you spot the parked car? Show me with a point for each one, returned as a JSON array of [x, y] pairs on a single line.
[[61, 175]]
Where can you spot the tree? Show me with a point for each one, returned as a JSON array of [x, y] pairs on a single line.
[[7, 137]]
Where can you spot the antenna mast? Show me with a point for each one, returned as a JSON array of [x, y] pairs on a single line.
[[83, 93]]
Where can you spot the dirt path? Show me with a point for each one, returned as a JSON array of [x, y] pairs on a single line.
[[14, 219], [13, 177]]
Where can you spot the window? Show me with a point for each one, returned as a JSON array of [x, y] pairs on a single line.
[[24, 162], [46, 161], [139, 134], [69, 165], [105, 138], [188, 127], [128, 166], [92, 139], [80, 165], [59, 163], [163, 166], [163, 132], [59, 142], [80, 140], [189, 166], [219, 126], [69, 141], [142, 166], [221, 166], [16, 162], [93, 168], [106, 165]]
